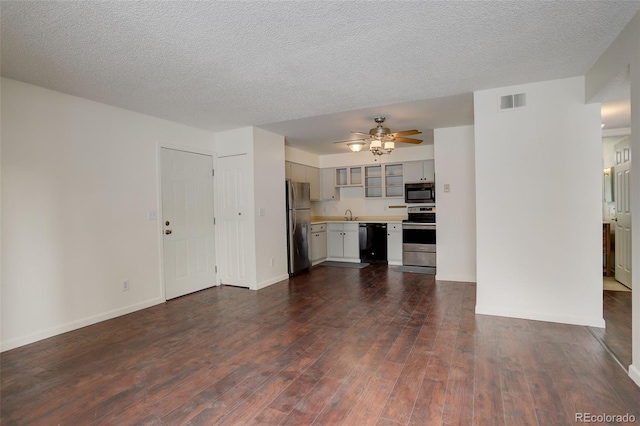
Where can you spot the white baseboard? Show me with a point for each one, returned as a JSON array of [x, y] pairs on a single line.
[[343, 259], [541, 316], [270, 281], [456, 278], [74, 325], [634, 373]]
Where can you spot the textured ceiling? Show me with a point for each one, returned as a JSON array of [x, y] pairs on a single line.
[[222, 65]]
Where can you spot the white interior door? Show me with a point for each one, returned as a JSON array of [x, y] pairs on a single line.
[[623, 213], [232, 220], [187, 214]]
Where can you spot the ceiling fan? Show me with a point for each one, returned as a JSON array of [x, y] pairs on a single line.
[[381, 139]]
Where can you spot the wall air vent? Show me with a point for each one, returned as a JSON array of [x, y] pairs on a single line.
[[513, 101]]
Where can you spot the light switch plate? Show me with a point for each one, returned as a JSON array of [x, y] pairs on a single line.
[[447, 188], [152, 215], [262, 211]]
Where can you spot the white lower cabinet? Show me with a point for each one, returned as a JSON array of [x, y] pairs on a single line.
[[318, 243], [394, 243], [343, 244]]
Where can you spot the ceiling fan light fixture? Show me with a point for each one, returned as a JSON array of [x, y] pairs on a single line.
[[381, 140], [355, 146]]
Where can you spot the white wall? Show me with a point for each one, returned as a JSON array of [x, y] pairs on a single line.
[[78, 178], [270, 229], [301, 157], [538, 217], [456, 213], [266, 235], [353, 198], [623, 52], [365, 157]]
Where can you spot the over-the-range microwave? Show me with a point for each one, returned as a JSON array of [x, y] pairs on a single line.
[[420, 193]]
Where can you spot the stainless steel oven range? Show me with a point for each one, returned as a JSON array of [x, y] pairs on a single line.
[[419, 237]]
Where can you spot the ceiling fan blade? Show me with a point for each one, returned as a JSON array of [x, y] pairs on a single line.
[[350, 140], [361, 133], [407, 140], [406, 133]]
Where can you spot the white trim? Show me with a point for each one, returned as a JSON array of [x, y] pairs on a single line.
[[634, 373], [74, 325], [460, 278], [184, 148], [166, 145], [269, 282], [343, 259], [609, 133], [541, 316]]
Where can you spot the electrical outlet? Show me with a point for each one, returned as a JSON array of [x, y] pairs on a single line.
[[125, 285], [447, 188]]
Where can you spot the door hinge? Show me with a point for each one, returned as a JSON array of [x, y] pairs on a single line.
[[214, 221], [213, 172], [216, 268]]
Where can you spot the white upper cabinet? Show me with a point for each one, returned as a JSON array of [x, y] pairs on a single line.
[[313, 177], [302, 173], [298, 172], [383, 181], [349, 176], [329, 191], [419, 171], [393, 180]]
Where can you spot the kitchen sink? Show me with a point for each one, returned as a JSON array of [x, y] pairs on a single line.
[[348, 219]]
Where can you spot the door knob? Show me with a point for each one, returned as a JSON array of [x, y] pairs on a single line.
[[615, 218], [239, 214], [167, 223], [168, 231]]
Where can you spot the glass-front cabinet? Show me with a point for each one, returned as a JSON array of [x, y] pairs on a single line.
[[393, 183], [383, 181], [373, 181], [349, 176]]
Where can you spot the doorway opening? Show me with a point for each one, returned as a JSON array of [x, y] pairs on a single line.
[[616, 218]]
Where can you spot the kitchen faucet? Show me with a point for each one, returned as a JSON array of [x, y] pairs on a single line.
[[350, 217]]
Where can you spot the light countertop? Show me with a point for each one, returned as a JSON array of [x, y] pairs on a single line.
[[367, 219]]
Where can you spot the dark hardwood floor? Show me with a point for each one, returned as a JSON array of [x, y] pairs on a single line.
[[332, 346], [617, 334]]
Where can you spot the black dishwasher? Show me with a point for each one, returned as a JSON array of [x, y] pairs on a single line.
[[373, 242]]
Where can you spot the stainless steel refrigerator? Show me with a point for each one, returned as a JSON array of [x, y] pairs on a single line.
[[298, 226]]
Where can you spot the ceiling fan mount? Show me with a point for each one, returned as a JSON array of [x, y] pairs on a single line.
[[379, 131]]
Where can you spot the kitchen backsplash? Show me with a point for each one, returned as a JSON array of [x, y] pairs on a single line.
[[352, 198]]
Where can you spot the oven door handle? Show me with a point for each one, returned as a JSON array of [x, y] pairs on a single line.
[[419, 227]]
